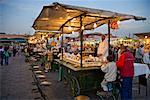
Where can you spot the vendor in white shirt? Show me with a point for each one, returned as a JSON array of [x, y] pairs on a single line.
[[103, 47]]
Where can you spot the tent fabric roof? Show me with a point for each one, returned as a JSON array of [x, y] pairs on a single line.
[[57, 15], [142, 35]]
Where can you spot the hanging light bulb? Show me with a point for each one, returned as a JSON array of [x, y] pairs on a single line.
[[118, 22], [82, 27], [95, 25], [70, 28], [72, 32]]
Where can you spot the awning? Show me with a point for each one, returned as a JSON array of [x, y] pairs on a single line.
[[57, 15], [143, 35]]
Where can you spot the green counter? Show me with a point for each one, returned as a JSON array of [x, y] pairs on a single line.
[[80, 79]]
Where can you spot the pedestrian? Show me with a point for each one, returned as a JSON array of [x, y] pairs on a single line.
[[126, 67], [1, 55], [139, 54], [6, 55], [110, 69], [14, 51], [146, 57]]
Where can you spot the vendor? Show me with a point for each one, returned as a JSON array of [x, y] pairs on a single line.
[[103, 47]]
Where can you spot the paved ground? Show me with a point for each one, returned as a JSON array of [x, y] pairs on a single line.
[[16, 78]]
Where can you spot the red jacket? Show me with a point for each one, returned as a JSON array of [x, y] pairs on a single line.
[[126, 64]]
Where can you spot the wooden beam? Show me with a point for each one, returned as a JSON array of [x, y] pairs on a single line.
[[98, 21], [96, 16], [71, 19]]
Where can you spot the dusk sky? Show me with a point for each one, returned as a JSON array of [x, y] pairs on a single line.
[[17, 16]]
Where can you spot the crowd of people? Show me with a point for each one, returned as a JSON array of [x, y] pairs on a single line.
[[7, 51], [121, 59]]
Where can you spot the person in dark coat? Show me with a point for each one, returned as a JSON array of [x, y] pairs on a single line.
[[14, 51], [1, 55]]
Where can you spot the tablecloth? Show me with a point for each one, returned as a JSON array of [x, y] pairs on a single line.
[[140, 69]]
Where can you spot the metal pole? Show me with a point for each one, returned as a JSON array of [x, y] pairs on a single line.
[[108, 37], [81, 40], [62, 43]]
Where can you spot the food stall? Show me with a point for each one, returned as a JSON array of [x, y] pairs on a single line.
[[83, 73], [145, 39], [90, 42]]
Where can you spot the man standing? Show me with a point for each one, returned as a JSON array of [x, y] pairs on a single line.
[[14, 51], [126, 67], [139, 54], [103, 47], [1, 55]]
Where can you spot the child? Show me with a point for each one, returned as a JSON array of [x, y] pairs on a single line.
[[110, 69]]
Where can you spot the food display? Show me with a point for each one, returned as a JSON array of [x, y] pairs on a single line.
[[88, 61]]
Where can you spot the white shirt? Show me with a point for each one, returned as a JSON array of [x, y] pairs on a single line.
[[103, 48], [110, 70]]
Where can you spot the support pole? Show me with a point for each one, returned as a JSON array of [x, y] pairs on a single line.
[[81, 40], [108, 37], [60, 66], [62, 43]]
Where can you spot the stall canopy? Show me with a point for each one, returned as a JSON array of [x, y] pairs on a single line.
[[143, 35], [57, 15]]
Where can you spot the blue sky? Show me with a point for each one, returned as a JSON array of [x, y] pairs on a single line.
[[17, 16]]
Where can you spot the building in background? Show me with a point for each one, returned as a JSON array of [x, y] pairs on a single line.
[[9, 39]]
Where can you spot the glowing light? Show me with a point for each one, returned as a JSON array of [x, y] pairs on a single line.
[[72, 32], [70, 28], [95, 25], [118, 22], [82, 27], [145, 36], [68, 17]]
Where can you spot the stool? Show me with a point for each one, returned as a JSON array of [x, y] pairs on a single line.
[[82, 97], [36, 67], [41, 76], [38, 72], [45, 83]]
